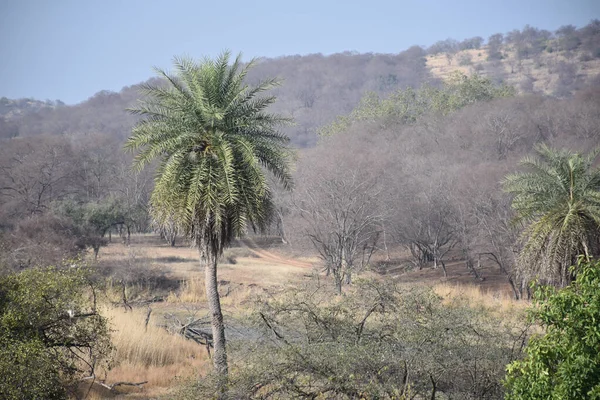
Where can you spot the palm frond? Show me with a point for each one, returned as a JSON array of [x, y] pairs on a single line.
[[558, 196], [214, 139]]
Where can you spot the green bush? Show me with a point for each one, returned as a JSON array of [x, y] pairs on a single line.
[[407, 106], [28, 371], [50, 332], [564, 363]]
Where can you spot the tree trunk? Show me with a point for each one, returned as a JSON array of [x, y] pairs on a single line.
[[281, 227], [338, 276], [338, 283], [514, 288], [444, 268], [472, 268], [214, 306], [385, 247]]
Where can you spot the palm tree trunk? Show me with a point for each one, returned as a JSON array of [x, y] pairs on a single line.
[[214, 306]]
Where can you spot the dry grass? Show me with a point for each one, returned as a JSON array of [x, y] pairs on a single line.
[[234, 296], [153, 346], [494, 300], [250, 267], [151, 354], [191, 291]]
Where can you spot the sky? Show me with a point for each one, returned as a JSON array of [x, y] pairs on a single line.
[[71, 49]]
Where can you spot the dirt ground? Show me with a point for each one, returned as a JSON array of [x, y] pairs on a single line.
[[266, 262]]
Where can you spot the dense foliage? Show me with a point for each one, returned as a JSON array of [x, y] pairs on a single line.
[[564, 362], [50, 332]]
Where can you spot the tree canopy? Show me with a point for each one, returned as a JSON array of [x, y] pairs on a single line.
[[213, 136], [558, 198]]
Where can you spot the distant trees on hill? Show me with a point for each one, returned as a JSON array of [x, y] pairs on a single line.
[[316, 88], [406, 106], [530, 41], [436, 176]]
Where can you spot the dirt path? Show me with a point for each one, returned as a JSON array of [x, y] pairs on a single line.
[[267, 255]]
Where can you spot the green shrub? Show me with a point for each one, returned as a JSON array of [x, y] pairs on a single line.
[[50, 332], [564, 363]]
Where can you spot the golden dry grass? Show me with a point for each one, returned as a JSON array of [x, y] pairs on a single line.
[[251, 267], [191, 291], [153, 354], [235, 297], [500, 302], [153, 346]]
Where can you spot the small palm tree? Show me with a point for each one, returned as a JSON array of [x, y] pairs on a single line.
[[558, 199], [213, 140]]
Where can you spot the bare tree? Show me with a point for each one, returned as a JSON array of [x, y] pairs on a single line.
[[498, 237], [505, 133], [341, 221], [424, 224], [33, 173]]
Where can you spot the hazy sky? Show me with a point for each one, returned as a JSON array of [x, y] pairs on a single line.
[[70, 49]]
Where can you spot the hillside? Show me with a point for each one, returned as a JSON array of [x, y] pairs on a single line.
[[317, 88], [557, 73]]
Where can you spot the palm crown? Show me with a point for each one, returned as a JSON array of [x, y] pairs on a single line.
[[212, 137], [559, 198]]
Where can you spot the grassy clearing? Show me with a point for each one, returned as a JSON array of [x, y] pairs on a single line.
[[150, 354], [233, 295], [153, 354]]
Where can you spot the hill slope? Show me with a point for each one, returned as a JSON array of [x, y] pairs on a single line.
[[318, 88]]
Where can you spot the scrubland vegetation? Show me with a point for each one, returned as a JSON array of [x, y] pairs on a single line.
[[437, 239]]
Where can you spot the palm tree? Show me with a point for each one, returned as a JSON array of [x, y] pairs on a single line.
[[213, 140], [558, 199]]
